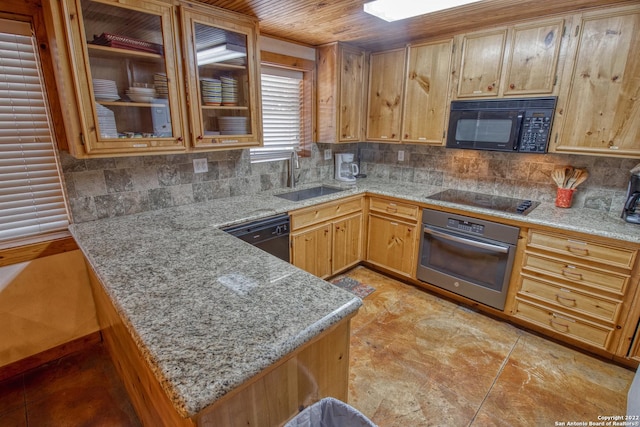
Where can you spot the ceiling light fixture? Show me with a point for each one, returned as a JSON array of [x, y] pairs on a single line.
[[223, 52], [395, 10]]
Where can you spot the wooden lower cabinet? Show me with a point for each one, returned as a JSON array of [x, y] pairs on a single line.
[[317, 369], [575, 289], [392, 244], [347, 242], [563, 323], [311, 249], [327, 238]]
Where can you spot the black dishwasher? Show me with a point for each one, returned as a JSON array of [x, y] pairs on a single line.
[[269, 234]]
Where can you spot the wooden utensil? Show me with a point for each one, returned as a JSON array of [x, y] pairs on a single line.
[[558, 176], [568, 171], [580, 179]]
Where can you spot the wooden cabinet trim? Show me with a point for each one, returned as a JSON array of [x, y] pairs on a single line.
[[33, 251]]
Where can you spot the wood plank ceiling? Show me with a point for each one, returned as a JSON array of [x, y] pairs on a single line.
[[315, 22]]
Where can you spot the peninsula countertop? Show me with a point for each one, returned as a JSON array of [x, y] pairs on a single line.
[[209, 311]]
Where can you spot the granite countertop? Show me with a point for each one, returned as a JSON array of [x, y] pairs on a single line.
[[209, 311]]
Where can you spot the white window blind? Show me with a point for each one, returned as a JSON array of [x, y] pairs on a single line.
[[31, 197], [282, 114]]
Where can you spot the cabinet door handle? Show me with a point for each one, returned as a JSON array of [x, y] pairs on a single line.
[[555, 323], [578, 251], [571, 274], [571, 300]]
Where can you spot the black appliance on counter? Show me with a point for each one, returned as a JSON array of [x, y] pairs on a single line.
[[269, 234], [631, 210], [512, 125]]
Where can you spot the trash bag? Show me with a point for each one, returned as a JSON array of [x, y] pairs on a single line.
[[330, 412]]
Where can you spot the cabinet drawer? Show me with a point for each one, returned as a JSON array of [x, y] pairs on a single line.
[[606, 309], [324, 212], [563, 324], [576, 273], [611, 255], [398, 209]]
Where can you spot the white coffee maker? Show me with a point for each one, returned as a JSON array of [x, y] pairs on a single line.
[[345, 169]]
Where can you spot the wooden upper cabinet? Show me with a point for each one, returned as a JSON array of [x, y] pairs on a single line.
[[519, 60], [428, 82], [532, 58], [599, 108], [124, 71], [341, 93], [386, 81], [223, 75], [481, 64], [123, 66]]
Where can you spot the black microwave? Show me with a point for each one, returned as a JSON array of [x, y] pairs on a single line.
[[516, 125]]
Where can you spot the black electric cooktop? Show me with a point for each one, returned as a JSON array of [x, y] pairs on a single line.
[[487, 201]]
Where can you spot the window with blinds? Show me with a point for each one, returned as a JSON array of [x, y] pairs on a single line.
[[282, 114], [31, 197]]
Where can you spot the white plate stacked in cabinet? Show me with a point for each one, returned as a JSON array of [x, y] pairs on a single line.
[[574, 288]]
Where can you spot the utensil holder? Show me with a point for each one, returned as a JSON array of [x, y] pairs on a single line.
[[564, 197]]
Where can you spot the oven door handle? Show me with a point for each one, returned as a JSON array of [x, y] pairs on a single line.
[[474, 243]]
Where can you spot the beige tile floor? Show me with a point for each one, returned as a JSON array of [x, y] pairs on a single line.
[[418, 360]]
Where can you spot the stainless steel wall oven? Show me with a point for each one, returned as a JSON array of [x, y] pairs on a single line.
[[467, 256]]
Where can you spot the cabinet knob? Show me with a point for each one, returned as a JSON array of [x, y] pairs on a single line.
[[489, 88], [180, 139], [200, 138], [512, 86]]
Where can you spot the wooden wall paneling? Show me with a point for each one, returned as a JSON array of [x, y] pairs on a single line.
[[316, 23]]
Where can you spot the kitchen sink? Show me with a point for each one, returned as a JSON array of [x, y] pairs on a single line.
[[309, 193]]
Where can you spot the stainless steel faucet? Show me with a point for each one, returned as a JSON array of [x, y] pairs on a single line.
[[294, 163]]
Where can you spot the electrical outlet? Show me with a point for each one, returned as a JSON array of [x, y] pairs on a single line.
[[401, 156], [327, 154], [200, 166]]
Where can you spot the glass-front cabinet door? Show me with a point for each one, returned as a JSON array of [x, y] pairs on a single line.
[[223, 78], [127, 80]]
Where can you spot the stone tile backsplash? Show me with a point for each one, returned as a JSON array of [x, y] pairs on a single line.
[[101, 188], [509, 174]]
